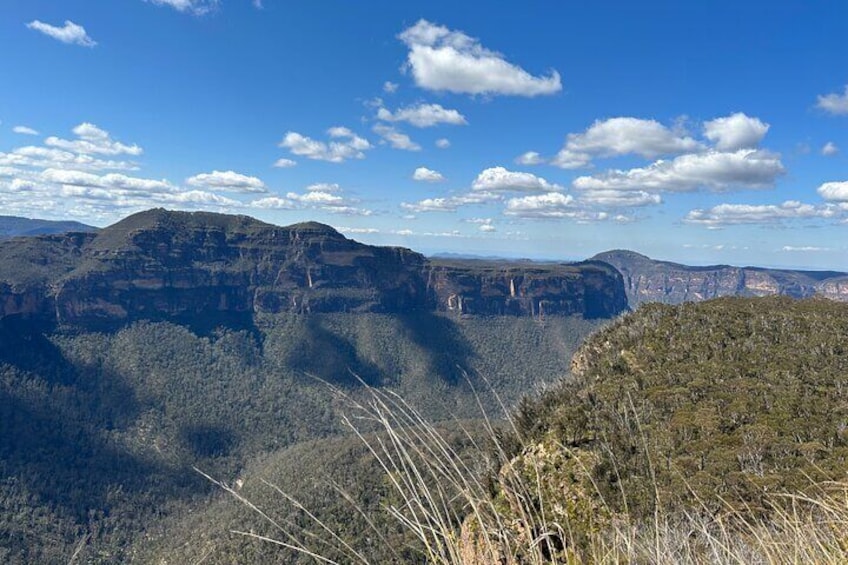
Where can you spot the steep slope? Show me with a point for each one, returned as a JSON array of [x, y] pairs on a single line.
[[101, 429], [702, 407], [649, 280], [215, 268]]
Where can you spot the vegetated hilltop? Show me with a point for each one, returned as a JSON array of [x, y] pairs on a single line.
[[170, 265], [704, 408], [649, 280], [12, 226]]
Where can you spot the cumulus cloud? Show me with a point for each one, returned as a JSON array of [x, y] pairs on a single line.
[[70, 33], [443, 143], [395, 138], [834, 191], [284, 163], [273, 203], [499, 179], [197, 7], [228, 181], [451, 203], [713, 170], [622, 136], [619, 198], [427, 175], [485, 225], [68, 179], [347, 145], [93, 140], [765, 214], [836, 104], [423, 115], [446, 60], [548, 205], [46, 157], [109, 181], [390, 87], [829, 149], [737, 131], [24, 130], [320, 196], [529, 158]]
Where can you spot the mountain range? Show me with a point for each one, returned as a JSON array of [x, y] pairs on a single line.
[[172, 340], [12, 226]]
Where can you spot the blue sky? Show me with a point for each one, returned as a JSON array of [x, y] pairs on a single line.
[[711, 132]]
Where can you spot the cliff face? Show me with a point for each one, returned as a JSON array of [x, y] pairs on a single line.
[[159, 265], [592, 290], [647, 280]]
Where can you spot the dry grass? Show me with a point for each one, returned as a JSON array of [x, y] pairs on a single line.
[[446, 502]]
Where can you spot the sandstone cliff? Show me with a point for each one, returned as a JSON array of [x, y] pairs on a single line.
[[648, 280], [163, 265]]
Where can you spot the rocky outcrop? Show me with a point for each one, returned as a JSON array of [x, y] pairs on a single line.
[[647, 280], [592, 290], [164, 265]]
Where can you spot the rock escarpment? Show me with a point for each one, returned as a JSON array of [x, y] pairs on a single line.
[[648, 280], [163, 265], [590, 289]]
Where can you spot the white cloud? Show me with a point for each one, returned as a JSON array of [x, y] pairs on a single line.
[[427, 175], [24, 130], [499, 179], [443, 143], [356, 231], [274, 203], [423, 115], [445, 60], [619, 198], [396, 139], [548, 205], [324, 187], [834, 191], [737, 131], [485, 225], [804, 248], [713, 170], [529, 158], [833, 103], [765, 214], [109, 181], [451, 203], [622, 136], [93, 140], [829, 149], [44, 157], [350, 146], [320, 196], [228, 181], [70, 33], [197, 7], [284, 163], [390, 87]]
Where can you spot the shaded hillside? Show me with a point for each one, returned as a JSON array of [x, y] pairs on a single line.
[[649, 280], [12, 226], [216, 268], [101, 429]]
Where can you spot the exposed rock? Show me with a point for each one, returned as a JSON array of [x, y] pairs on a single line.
[[160, 265], [589, 289], [648, 280]]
